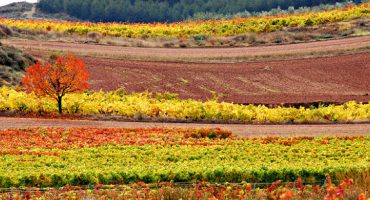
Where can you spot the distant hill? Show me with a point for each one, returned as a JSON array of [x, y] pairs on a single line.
[[166, 10], [15, 10], [149, 10], [25, 10]]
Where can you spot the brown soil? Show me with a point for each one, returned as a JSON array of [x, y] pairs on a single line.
[[332, 79], [243, 130], [205, 55], [328, 79]]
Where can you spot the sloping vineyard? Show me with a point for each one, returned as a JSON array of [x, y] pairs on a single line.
[[195, 28]]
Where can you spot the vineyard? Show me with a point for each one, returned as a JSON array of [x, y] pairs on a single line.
[[195, 28], [197, 191], [168, 106], [59, 157], [177, 123]]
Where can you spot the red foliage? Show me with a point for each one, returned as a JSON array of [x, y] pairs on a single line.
[[300, 184], [333, 193], [287, 195], [362, 196], [67, 74], [141, 190], [57, 138], [273, 186]]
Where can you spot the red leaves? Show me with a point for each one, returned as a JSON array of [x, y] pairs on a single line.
[[300, 184], [273, 186], [57, 138], [362, 197], [67, 74], [140, 190], [93, 137], [287, 195], [333, 193]]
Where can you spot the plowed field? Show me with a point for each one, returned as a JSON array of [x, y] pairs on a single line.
[[337, 78], [206, 55], [332, 79]]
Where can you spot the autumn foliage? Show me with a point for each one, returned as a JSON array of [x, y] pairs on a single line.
[[63, 75], [190, 29], [205, 163]]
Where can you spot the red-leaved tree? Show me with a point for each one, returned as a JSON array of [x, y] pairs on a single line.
[[62, 75]]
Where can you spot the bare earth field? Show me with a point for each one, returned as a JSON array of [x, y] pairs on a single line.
[[206, 55], [336, 79], [242, 130], [332, 79]]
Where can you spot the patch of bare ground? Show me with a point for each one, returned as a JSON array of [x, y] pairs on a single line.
[[332, 79], [205, 55], [242, 130]]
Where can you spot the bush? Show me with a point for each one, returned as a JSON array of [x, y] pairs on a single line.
[[5, 31], [95, 36], [14, 63]]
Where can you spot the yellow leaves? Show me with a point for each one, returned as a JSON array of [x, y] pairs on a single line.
[[145, 105], [189, 29], [148, 153]]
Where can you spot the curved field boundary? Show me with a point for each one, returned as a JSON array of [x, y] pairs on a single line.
[[243, 130], [206, 55]]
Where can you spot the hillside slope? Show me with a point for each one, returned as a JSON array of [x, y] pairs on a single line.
[[15, 10], [166, 10], [25, 10], [13, 62]]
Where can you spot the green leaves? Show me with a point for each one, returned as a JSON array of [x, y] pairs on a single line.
[[227, 160]]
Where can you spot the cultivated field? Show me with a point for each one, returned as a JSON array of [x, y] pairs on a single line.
[[108, 162], [198, 29], [204, 55], [336, 79], [308, 140], [167, 107]]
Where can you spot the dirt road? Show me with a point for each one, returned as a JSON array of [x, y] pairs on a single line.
[[243, 130]]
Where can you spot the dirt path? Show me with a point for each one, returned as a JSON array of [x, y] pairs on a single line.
[[277, 52], [244, 130], [29, 14]]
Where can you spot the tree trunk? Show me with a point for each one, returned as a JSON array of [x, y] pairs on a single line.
[[60, 105]]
